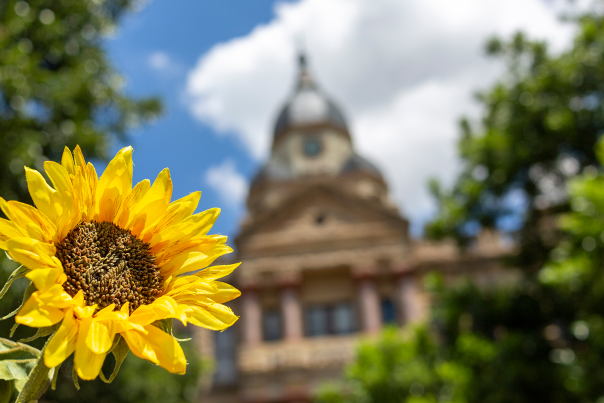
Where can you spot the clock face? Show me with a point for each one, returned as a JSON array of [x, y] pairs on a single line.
[[312, 147]]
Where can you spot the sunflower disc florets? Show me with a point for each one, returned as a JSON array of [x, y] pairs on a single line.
[[110, 265]]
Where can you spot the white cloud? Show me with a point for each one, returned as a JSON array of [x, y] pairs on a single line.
[[403, 71], [159, 60], [230, 184]]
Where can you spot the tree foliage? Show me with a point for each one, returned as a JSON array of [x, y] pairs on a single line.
[[57, 87], [540, 124], [397, 369]]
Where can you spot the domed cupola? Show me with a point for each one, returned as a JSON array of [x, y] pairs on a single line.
[[312, 145], [308, 107]]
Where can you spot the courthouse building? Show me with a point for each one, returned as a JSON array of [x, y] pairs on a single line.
[[326, 260]]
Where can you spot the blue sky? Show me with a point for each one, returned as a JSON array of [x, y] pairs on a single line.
[[183, 30], [403, 72]]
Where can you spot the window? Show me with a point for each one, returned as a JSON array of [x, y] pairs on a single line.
[[316, 321], [343, 319], [226, 368], [322, 320], [388, 312], [271, 325]]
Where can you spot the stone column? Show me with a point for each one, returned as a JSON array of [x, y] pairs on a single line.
[[371, 313], [252, 317], [411, 302], [291, 312]]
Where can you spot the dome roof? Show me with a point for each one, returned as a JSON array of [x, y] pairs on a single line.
[[356, 163], [272, 171], [308, 106]]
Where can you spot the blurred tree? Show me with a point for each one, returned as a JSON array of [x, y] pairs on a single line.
[[57, 89], [541, 129], [398, 369], [540, 125]]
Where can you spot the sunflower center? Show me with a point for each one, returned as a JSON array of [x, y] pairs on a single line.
[[110, 265]]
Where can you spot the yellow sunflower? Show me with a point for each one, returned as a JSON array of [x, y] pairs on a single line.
[[109, 260]]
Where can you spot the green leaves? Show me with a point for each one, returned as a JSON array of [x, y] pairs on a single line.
[[6, 391], [31, 288], [400, 368], [120, 351], [545, 111], [166, 326], [20, 272], [16, 362]]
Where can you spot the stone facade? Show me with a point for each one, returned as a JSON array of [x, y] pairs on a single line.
[[326, 260]]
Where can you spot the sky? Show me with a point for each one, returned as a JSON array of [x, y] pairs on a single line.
[[403, 72]]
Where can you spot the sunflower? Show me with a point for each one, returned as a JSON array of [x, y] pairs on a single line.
[[113, 263]]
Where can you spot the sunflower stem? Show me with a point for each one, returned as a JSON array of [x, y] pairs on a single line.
[[37, 381]]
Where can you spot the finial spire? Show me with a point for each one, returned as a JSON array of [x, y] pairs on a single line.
[[302, 60], [304, 81]]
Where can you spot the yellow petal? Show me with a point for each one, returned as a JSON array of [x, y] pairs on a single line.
[[225, 293], [100, 336], [137, 193], [78, 300], [154, 204], [44, 279], [32, 254], [193, 226], [190, 261], [216, 272], [201, 223], [210, 315], [59, 177], [56, 297], [162, 308], [84, 312], [79, 157], [190, 285], [114, 185], [67, 161], [23, 214], [158, 347], [177, 211], [8, 230], [37, 314], [62, 182], [86, 362], [166, 253], [46, 199], [63, 342]]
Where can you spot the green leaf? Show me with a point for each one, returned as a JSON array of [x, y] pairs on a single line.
[[599, 149], [31, 288], [37, 380], [20, 272], [120, 351], [55, 375], [12, 329], [6, 391], [165, 325], [16, 360], [74, 376], [42, 332]]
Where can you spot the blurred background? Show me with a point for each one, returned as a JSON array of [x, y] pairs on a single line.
[[414, 187]]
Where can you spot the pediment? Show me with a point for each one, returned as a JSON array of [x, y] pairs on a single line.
[[320, 212]]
